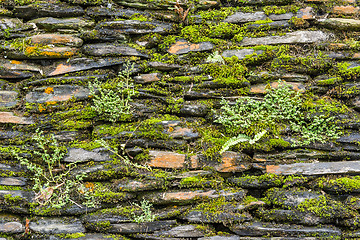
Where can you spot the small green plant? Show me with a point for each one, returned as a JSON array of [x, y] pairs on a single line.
[[53, 184], [281, 107], [112, 99], [147, 215], [241, 138], [215, 58]]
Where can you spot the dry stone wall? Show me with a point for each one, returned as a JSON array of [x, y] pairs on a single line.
[[188, 119]]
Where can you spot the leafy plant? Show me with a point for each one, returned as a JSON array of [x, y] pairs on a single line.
[[241, 138], [147, 215], [112, 99], [281, 107], [53, 185]]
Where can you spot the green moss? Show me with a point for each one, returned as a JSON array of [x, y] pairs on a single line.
[[216, 14], [341, 185], [72, 235], [99, 226]]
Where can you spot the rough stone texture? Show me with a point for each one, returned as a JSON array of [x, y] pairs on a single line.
[[56, 226], [163, 159], [289, 38], [240, 54], [183, 47], [81, 155], [233, 162], [136, 27], [9, 117], [341, 23], [57, 94], [52, 24], [148, 78], [60, 39], [261, 88], [111, 50], [240, 17], [146, 227], [8, 99]]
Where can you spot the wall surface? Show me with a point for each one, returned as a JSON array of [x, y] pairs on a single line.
[[195, 119]]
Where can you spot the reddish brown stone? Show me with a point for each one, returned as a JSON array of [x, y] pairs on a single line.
[[148, 78], [307, 13], [162, 159], [188, 195], [233, 162], [9, 117], [346, 10], [62, 39], [182, 47], [261, 88]]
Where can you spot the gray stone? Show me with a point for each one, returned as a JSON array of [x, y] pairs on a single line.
[[194, 110], [13, 181], [104, 35], [56, 39], [12, 69], [164, 66], [316, 168], [195, 216], [148, 78], [56, 225], [127, 185], [52, 24], [341, 23], [145, 227], [14, 25], [241, 54], [289, 38], [278, 17], [136, 27], [183, 231], [81, 64], [277, 230], [111, 50], [290, 216], [101, 12], [76, 155], [270, 25], [164, 5], [231, 237], [240, 17], [58, 10], [58, 93], [8, 99]]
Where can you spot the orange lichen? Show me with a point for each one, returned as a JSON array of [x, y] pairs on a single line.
[[50, 103], [49, 90], [90, 186], [15, 62], [41, 108]]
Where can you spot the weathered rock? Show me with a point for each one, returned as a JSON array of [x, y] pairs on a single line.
[[163, 159], [9, 117], [270, 25], [164, 66], [47, 52], [194, 110], [279, 17], [76, 155], [56, 225], [277, 230], [81, 64], [58, 10], [345, 10], [139, 185], [307, 13], [148, 78], [13, 181], [10, 224], [101, 12], [145, 227], [136, 27], [111, 50], [183, 47], [159, 4], [240, 17], [262, 88], [104, 35], [14, 25], [58, 93], [53, 24], [56, 39], [17, 70], [241, 54], [183, 231], [233, 162], [195, 216], [289, 38], [230, 237], [341, 23], [316, 168], [180, 197], [8, 99]]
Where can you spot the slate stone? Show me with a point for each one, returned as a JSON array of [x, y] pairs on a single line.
[[270, 25], [183, 47], [279, 17], [241, 54], [12, 181], [94, 236], [241, 17], [111, 50], [81, 64], [148, 78], [12, 69], [182, 133], [194, 110], [113, 12], [56, 39], [104, 35], [316, 168], [56, 225], [14, 24], [262, 88], [341, 24], [53, 24], [163, 5], [9, 117], [277, 230], [139, 185], [10, 224], [195, 216], [162, 159], [233, 162], [217, 237], [163, 66], [58, 10], [31, 52], [180, 197], [307, 13], [145, 227], [8, 99], [58, 93], [136, 27], [77, 155], [289, 38], [182, 231], [290, 199]]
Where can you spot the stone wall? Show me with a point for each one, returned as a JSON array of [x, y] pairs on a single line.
[[154, 119]]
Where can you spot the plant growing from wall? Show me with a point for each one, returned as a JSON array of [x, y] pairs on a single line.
[[112, 99], [147, 215], [53, 184], [281, 107]]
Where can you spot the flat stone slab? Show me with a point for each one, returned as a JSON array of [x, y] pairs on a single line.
[[76, 155], [50, 23], [148, 78], [13, 181], [162, 159], [165, 5], [14, 24], [289, 38], [183, 231], [111, 50], [81, 64], [60, 39], [59, 10], [241, 17], [136, 27], [278, 230], [183, 47], [8, 99], [316, 168], [240, 54], [58, 93], [164, 66], [9, 117], [46, 52], [13, 69], [233, 162], [145, 227], [262, 88], [341, 23], [56, 225]]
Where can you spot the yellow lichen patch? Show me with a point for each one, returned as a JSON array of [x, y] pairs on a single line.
[[41, 108], [49, 90], [89, 186], [50, 103], [15, 62]]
